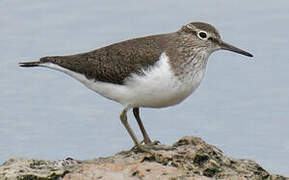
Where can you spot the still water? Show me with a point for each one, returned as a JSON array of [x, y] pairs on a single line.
[[242, 105]]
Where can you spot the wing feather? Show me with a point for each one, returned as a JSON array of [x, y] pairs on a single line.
[[115, 62]]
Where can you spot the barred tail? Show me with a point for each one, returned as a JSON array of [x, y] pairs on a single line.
[[29, 64]]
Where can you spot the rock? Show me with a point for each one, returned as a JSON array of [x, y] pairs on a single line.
[[191, 159], [26, 169]]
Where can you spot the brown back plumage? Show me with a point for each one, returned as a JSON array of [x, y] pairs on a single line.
[[115, 62]]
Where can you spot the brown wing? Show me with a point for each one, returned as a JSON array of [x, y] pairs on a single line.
[[115, 62]]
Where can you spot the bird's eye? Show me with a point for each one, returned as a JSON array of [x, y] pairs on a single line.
[[202, 35]]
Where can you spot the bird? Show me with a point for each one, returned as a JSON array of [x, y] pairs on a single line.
[[155, 71]]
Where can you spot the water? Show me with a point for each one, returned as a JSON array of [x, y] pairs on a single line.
[[241, 106]]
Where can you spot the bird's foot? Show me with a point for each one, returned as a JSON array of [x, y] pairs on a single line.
[[155, 143], [150, 142], [143, 143], [150, 148]]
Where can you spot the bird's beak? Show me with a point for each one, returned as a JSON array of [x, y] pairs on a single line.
[[225, 46]]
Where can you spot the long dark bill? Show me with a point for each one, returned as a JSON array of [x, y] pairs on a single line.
[[230, 47]]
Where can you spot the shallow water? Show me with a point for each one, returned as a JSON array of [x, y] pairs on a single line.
[[242, 105]]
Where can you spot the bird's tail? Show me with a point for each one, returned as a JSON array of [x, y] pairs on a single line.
[[29, 64]]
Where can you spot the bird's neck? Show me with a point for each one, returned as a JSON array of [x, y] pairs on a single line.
[[189, 61]]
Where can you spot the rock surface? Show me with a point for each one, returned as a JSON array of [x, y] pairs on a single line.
[[191, 159]]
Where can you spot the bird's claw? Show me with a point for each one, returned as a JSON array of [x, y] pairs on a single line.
[[150, 148]]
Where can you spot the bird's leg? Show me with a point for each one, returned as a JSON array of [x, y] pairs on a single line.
[[123, 119], [143, 131], [144, 148]]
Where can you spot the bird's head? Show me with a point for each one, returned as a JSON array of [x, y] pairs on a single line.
[[207, 37]]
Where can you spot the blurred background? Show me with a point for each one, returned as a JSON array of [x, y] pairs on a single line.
[[242, 105]]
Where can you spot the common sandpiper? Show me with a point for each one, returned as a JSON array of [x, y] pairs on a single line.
[[154, 71]]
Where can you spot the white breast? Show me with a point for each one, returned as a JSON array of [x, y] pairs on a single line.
[[158, 87]]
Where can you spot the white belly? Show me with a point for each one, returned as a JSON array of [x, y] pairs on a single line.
[[158, 87]]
